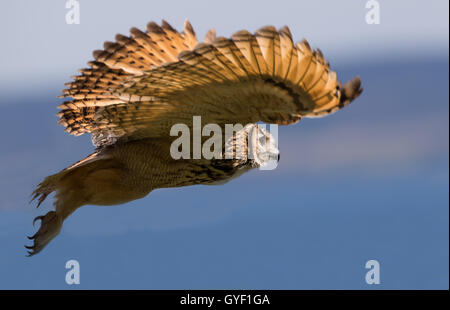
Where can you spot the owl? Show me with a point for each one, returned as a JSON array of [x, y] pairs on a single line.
[[142, 85]]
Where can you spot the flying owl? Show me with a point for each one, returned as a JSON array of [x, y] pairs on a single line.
[[140, 86]]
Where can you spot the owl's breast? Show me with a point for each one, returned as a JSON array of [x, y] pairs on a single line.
[[149, 166]]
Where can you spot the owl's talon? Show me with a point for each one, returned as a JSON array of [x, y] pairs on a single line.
[[51, 224], [40, 217]]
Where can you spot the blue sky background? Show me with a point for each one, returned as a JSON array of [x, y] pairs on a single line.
[[369, 182]]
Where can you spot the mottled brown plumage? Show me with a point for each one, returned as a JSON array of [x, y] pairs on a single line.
[[140, 86]]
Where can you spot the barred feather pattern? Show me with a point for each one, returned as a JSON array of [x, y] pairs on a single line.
[[139, 86]]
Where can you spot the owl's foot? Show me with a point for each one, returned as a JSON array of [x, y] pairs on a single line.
[[51, 224]]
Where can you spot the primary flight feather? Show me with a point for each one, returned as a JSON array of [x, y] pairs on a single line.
[[140, 86]]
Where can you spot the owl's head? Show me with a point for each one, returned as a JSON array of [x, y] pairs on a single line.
[[254, 147], [262, 147]]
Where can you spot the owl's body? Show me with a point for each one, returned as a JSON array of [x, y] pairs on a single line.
[[138, 159], [142, 85], [129, 171]]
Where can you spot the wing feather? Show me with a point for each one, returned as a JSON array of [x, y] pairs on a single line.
[[139, 86]]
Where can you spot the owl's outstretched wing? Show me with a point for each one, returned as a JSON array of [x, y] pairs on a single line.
[[141, 85]]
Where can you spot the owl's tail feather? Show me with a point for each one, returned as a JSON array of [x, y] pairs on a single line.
[[46, 187], [49, 184]]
